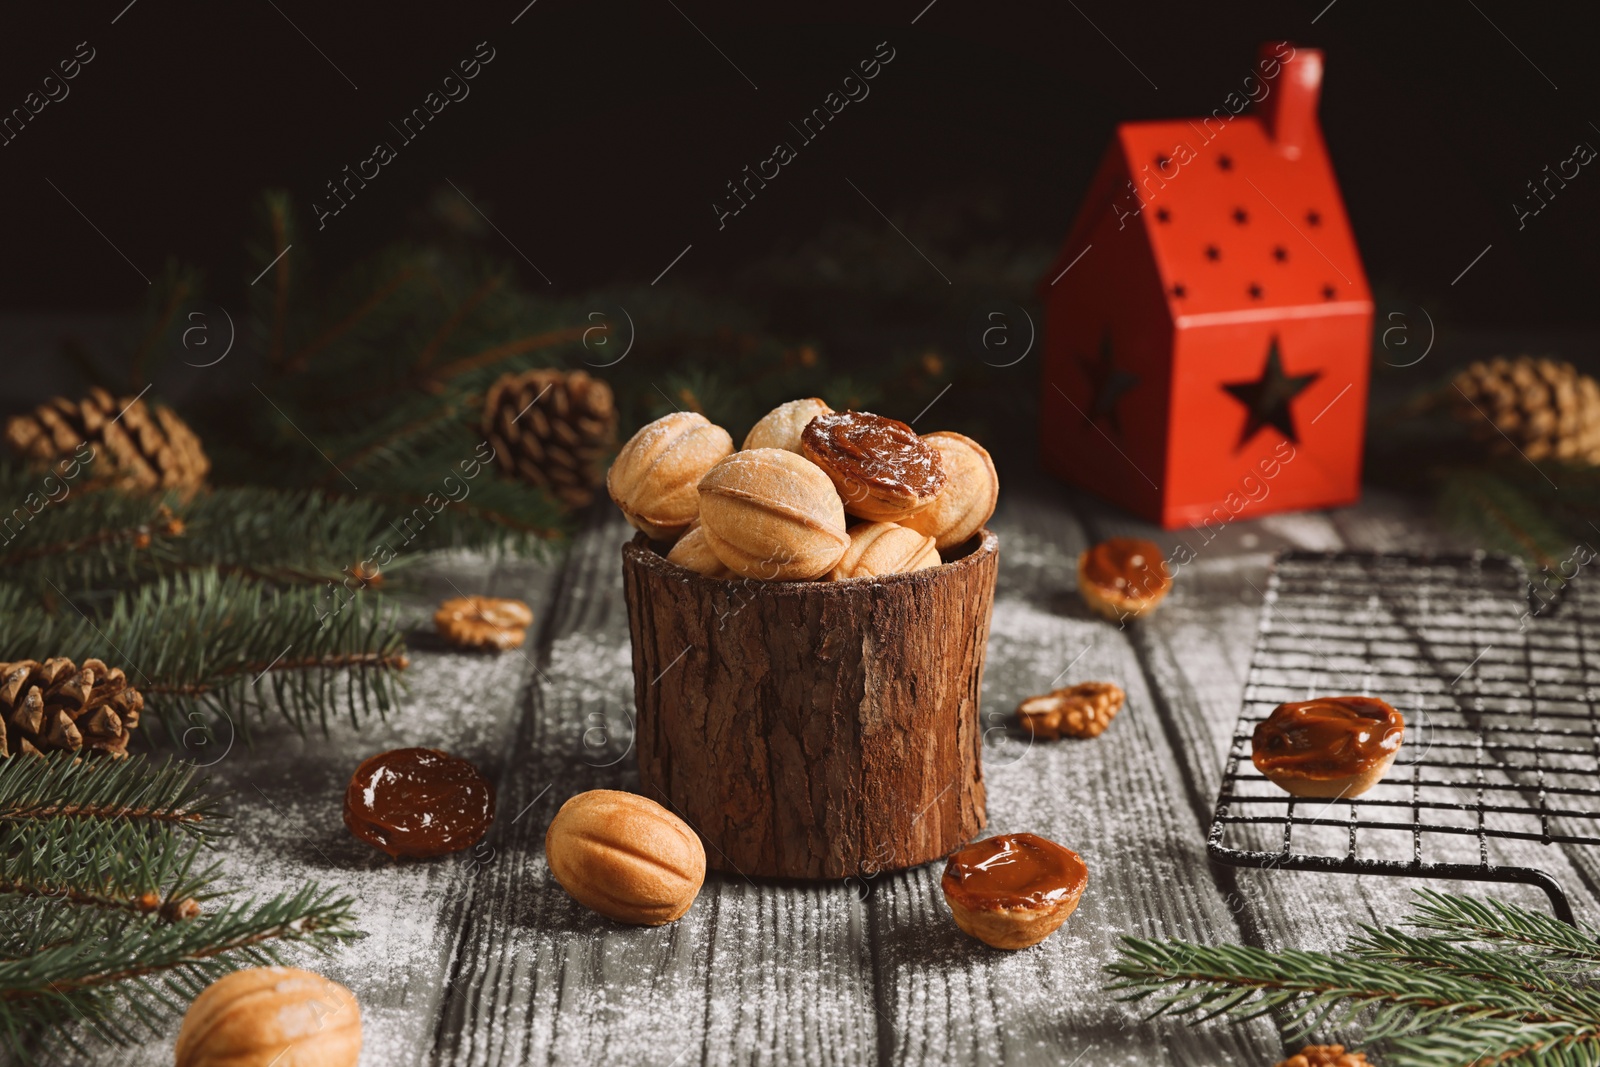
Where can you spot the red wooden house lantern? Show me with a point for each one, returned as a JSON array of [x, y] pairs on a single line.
[[1208, 323]]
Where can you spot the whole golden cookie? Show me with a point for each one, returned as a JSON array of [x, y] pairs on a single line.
[[693, 551], [878, 548], [654, 476], [626, 857], [781, 427], [483, 622], [771, 514], [266, 1016], [884, 472], [971, 491]]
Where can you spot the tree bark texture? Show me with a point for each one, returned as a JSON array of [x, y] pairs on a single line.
[[813, 729]]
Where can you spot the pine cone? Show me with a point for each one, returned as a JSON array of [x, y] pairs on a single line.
[[54, 705], [552, 429], [1545, 408], [1083, 710], [137, 447], [1326, 1056]]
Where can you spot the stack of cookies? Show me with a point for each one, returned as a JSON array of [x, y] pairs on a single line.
[[780, 508]]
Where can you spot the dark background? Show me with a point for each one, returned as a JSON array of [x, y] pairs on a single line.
[[599, 136]]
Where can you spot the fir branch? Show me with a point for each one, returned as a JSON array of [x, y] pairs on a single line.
[[162, 523], [1244, 983], [1500, 512], [466, 307], [301, 359], [123, 976], [194, 639], [501, 352], [119, 865], [60, 786], [1477, 992], [222, 676], [146, 948], [101, 888], [396, 444], [276, 204], [175, 285], [1454, 918], [1447, 957], [106, 539], [1490, 1042], [522, 515]]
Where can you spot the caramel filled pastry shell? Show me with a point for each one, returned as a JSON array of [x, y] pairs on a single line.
[[626, 857], [1013, 890], [1330, 747], [1123, 578]]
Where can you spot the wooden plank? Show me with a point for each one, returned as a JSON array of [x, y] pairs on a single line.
[[753, 972], [1118, 800]]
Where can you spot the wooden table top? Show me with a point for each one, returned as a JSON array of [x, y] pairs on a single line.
[[480, 958]]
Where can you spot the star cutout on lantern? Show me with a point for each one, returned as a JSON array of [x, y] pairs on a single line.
[[1107, 382], [1267, 398]]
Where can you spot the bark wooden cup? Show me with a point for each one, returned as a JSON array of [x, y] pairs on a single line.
[[813, 729]]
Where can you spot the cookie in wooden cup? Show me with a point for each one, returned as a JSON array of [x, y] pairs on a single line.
[[773, 515], [693, 551], [782, 426], [883, 471], [971, 491], [655, 477], [879, 548]]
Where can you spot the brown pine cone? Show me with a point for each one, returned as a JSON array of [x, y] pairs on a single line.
[[1083, 710], [1543, 407], [136, 446], [1326, 1056], [552, 429], [55, 705]]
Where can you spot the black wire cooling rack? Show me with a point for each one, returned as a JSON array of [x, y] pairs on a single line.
[[1502, 731]]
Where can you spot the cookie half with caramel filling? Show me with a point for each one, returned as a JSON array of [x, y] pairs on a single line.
[[883, 471], [1013, 890], [1328, 747]]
